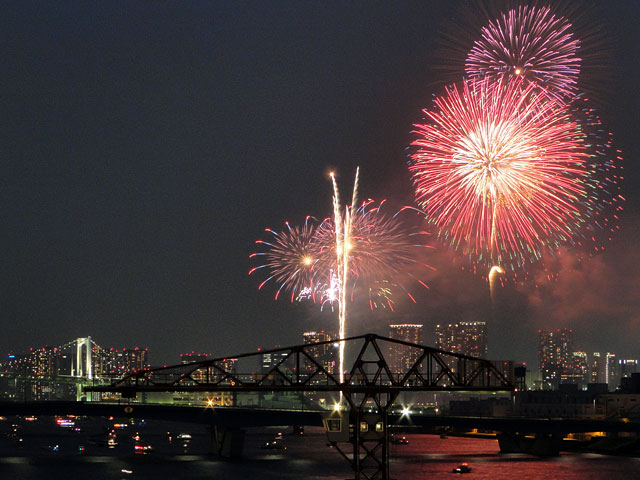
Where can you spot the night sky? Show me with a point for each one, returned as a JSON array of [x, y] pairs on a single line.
[[145, 146]]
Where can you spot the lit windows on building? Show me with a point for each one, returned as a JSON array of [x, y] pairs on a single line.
[[467, 338], [403, 357], [555, 356], [326, 355]]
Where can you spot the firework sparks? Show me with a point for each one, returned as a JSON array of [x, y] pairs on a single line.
[[382, 252], [500, 170], [604, 201], [363, 250], [531, 43], [290, 259]]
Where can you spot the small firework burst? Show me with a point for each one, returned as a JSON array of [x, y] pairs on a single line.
[[531, 43]]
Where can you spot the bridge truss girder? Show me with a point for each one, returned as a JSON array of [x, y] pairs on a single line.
[[370, 384], [299, 370]]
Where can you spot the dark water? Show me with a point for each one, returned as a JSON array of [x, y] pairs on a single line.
[[425, 457]]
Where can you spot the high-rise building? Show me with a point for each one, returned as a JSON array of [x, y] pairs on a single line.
[[116, 362], [576, 371], [402, 357], [555, 356], [612, 373], [628, 366], [194, 357], [230, 365], [271, 359], [63, 363], [597, 370], [467, 338], [326, 355], [43, 362], [191, 357], [214, 399]]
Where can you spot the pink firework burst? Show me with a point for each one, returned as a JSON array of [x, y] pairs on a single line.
[[501, 170], [384, 255], [532, 43], [290, 259]]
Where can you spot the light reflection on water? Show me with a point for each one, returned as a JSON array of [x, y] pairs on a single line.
[[308, 457]]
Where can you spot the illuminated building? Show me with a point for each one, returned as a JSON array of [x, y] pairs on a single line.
[[193, 357], [185, 358], [555, 356], [467, 338], [269, 361], [576, 371], [628, 376], [597, 368], [326, 355], [507, 368], [403, 357], [63, 363], [42, 362], [230, 365], [212, 399], [627, 367], [225, 399], [612, 374], [115, 362]]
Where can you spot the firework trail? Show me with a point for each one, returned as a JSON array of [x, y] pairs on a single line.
[[343, 230], [356, 250], [531, 43], [495, 270], [501, 170]]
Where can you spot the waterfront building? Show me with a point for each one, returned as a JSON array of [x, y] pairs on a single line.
[[612, 374], [271, 359], [118, 362], [193, 357], [555, 356], [467, 338], [326, 355], [627, 367], [597, 370], [403, 357], [576, 371]]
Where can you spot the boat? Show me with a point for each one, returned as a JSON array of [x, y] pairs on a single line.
[[399, 440], [462, 468], [274, 445], [142, 448]]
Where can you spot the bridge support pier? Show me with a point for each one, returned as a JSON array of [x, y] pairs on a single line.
[[542, 445], [226, 442], [368, 436], [546, 445]]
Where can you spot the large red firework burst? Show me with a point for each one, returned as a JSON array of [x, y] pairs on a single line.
[[532, 43], [501, 170]]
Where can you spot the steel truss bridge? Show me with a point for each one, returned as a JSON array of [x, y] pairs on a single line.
[[358, 425]]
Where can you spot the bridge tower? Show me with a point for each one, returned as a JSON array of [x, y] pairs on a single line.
[[83, 363]]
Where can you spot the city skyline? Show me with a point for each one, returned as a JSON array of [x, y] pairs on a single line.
[[143, 160], [559, 359]]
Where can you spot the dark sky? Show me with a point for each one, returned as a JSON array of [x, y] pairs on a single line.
[[146, 145]]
